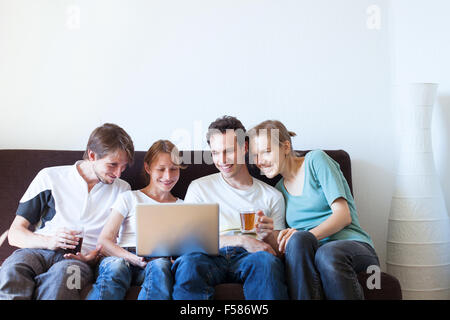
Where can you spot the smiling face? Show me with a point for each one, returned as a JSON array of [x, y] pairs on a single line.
[[268, 155], [228, 155], [164, 174], [110, 167]]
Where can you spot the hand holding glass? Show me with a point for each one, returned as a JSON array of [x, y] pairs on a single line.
[[78, 232]]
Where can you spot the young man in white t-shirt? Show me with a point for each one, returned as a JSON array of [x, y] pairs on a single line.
[[251, 260], [58, 201]]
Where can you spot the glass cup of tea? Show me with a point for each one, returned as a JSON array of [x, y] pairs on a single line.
[[248, 220], [78, 232]]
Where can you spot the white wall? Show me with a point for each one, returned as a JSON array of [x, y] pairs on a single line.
[[158, 67]]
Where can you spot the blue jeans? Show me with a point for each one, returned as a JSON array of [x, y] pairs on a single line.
[[115, 276], [43, 274], [327, 271], [261, 273]]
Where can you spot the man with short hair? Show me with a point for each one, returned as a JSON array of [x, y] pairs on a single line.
[[247, 259], [58, 199]]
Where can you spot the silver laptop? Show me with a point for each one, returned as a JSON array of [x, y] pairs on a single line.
[[174, 229]]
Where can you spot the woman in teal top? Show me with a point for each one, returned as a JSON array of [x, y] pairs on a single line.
[[325, 246]]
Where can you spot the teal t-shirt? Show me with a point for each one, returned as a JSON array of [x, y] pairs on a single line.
[[324, 183]]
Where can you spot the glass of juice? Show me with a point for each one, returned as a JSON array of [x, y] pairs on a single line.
[[78, 232], [247, 216]]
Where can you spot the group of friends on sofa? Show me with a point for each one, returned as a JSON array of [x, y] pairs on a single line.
[[308, 243]]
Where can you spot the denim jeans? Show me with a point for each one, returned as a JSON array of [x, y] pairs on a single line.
[[261, 273], [42, 274], [115, 276], [328, 271]]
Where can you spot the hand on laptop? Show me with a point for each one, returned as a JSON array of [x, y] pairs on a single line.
[[264, 225]]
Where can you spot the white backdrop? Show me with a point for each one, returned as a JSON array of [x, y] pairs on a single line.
[[158, 68]]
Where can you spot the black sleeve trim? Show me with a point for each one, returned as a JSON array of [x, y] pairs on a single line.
[[41, 206]]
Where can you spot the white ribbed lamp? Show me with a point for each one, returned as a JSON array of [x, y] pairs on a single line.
[[418, 244]]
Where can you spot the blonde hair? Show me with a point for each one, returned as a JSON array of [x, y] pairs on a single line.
[[162, 146], [283, 133]]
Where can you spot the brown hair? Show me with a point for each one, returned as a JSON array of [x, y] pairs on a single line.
[[162, 146], [283, 133], [107, 139], [227, 123]]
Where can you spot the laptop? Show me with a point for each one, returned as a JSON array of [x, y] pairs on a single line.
[[174, 229]]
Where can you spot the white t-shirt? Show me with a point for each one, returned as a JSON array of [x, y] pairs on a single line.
[[58, 197], [125, 204], [214, 189]]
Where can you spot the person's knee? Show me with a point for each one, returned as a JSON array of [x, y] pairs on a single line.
[[11, 264], [22, 254], [192, 266], [9, 271], [24, 262], [330, 259], [20, 257], [195, 259], [158, 274], [301, 240], [264, 262], [160, 265], [114, 266]]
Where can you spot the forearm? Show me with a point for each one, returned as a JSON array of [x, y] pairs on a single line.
[[272, 241], [335, 223], [249, 243], [23, 238], [110, 248], [230, 241]]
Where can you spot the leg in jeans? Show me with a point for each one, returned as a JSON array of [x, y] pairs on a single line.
[[261, 273], [302, 277], [64, 280], [158, 281], [196, 275], [113, 280], [339, 262], [18, 272]]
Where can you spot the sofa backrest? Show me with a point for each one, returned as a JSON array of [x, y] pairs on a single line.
[[19, 167]]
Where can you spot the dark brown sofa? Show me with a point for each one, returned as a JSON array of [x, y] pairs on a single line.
[[19, 167]]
